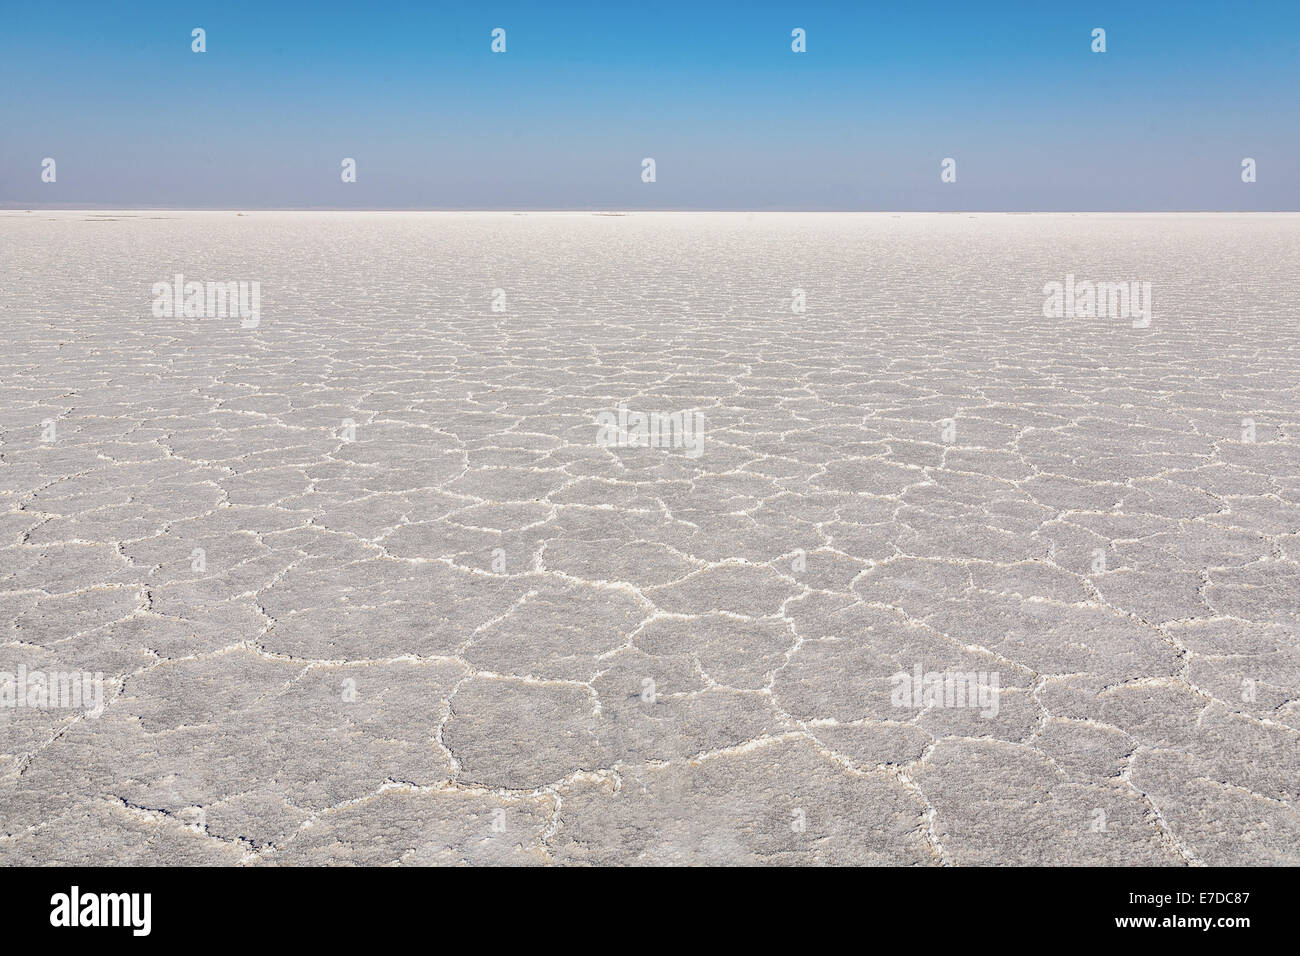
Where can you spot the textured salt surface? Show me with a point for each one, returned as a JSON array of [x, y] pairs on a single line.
[[501, 590]]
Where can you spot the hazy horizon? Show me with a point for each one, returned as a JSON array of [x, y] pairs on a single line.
[[602, 211]]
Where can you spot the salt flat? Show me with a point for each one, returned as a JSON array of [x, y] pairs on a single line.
[[366, 586]]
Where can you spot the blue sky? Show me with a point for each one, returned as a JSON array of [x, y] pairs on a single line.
[[732, 117]]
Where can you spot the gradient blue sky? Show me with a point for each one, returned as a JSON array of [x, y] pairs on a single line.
[[733, 118]]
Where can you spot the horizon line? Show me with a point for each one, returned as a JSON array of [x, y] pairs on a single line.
[[615, 211]]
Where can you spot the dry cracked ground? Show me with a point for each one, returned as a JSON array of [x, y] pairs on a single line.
[[472, 633]]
